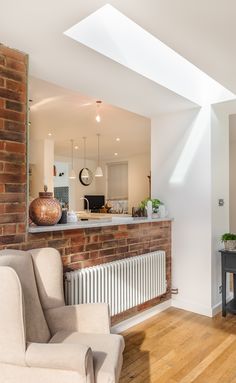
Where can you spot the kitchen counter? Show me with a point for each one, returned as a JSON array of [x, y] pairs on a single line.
[[110, 221]]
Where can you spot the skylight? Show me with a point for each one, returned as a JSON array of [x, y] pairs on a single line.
[[114, 35]]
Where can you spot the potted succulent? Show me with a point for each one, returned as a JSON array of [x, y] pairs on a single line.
[[229, 240]]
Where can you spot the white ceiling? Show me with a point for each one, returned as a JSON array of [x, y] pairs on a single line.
[[69, 115], [201, 31]]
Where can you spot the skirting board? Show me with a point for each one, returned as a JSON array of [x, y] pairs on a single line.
[[188, 306], [126, 324], [218, 307]]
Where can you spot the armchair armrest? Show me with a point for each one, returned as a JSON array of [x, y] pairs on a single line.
[[69, 357], [85, 318]]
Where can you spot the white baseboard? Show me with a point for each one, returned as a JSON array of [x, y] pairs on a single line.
[[184, 305], [218, 307], [126, 324], [191, 306]]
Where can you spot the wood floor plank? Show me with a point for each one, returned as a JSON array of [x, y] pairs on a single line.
[[181, 347]]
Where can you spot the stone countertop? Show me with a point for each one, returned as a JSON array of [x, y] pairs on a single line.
[[94, 223]]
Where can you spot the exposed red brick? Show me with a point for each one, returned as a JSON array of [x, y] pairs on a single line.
[[11, 95], [9, 229], [11, 239], [15, 188], [14, 126], [13, 53], [11, 74], [12, 218], [15, 208], [9, 178], [15, 147], [15, 168], [16, 65], [11, 157], [2, 59], [19, 87], [17, 106], [12, 197], [12, 115]]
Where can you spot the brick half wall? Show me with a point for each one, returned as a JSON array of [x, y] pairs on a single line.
[[78, 248]]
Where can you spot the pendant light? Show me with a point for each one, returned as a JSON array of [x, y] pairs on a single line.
[[98, 117], [85, 173], [72, 174], [98, 172]]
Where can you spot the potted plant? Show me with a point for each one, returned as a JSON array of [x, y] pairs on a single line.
[[155, 205], [229, 240]]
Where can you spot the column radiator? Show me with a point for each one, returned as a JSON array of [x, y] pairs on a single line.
[[122, 284]]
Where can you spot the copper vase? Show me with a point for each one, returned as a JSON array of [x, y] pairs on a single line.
[[45, 210]]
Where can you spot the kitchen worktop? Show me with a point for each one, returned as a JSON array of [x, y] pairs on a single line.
[[106, 221]]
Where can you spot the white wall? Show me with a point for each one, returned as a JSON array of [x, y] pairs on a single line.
[[138, 185], [76, 189], [42, 157], [232, 168], [220, 189], [181, 178]]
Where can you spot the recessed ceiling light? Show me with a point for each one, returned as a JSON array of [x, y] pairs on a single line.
[[76, 147], [49, 134], [117, 139], [107, 29], [115, 154]]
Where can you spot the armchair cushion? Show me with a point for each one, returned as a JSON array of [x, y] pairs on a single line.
[[70, 357], [107, 352], [12, 329], [35, 323], [86, 318]]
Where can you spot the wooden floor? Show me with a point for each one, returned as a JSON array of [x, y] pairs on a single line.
[[181, 347]]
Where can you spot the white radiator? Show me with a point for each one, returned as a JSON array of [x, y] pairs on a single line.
[[122, 284]]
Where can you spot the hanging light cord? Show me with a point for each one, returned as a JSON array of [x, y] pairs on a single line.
[[98, 149], [72, 154], [84, 138]]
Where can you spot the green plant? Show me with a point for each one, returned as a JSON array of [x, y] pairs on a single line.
[[155, 204], [228, 237]]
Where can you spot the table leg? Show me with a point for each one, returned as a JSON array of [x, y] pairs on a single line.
[[234, 288], [223, 293]]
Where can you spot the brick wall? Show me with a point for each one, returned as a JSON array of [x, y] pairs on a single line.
[[78, 248], [13, 101]]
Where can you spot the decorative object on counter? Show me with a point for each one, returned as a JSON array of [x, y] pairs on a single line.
[[106, 208], [155, 206], [149, 209], [149, 185], [63, 218], [85, 175], [139, 212], [72, 175], [162, 213], [45, 210], [72, 217], [229, 240], [98, 172], [98, 117]]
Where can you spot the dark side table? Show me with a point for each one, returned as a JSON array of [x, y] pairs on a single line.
[[228, 265]]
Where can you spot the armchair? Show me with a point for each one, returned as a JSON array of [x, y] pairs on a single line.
[[41, 339]]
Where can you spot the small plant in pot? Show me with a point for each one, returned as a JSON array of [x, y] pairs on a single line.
[[155, 205], [229, 240]]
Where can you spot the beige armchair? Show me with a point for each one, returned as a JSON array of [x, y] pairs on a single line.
[[41, 339]]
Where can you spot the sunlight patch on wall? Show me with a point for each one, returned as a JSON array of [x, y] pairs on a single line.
[[199, 127]]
